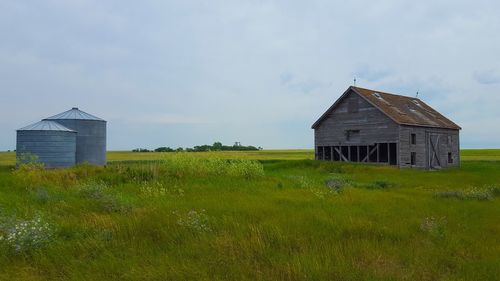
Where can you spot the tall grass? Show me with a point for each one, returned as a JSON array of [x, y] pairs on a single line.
[[186, 217], [188, 164]]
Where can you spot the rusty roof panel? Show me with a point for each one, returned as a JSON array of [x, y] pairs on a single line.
[[406, 110]]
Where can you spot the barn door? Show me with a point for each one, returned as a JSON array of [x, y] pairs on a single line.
[[434, 161]]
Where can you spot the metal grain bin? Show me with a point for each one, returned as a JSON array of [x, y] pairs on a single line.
[[91, 135], [53, 144]]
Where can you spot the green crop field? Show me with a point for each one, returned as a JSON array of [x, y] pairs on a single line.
[[265, 215]]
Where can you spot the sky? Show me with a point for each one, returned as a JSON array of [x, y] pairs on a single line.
[[185, 73]]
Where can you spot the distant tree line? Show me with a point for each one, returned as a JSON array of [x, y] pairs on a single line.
[[217, 146]]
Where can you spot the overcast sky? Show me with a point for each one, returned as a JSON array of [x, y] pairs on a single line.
[[183, 73]]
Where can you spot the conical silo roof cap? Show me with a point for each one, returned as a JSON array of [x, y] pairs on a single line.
[[45, 125], [74, 114]]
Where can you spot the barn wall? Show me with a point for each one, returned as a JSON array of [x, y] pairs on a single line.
[[373, 125], [422, 146]]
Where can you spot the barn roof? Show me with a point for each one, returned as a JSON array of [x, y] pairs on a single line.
[[401, 109]]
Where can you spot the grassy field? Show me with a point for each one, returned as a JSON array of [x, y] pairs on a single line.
[[285, 217], [9, 158]]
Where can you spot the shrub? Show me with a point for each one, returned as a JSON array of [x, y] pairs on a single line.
[[336, 185], [26, 235]]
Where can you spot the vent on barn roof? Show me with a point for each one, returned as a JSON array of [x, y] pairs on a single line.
[[379, 97], [416, 102]]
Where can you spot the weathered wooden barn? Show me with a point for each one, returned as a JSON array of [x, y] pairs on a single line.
[[371, 126]]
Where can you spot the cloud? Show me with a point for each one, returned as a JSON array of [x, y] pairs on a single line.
[[370, 74], [259, 72], [305, 87], [295, 85], [164, 119], [285, 78], [487, 77]]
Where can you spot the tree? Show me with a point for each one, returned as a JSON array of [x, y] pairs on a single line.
[[217, 146]]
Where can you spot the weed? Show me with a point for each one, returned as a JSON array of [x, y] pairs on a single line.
[[26, 235], [158, 189], [41, 195], [29, 175], [93, 190], [474, 193], [494, 190], [316, 189], [96, 191], [29, 160], [183, 165], [381, 184], [153, 189], [194, 220], [434, 226]]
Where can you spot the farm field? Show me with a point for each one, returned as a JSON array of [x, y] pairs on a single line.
[[9, 158], [265, 215]]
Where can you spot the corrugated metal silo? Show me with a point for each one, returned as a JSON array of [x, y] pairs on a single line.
[[91, 135], [52, 143]]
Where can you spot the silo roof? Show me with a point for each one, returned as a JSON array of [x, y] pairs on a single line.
[[46, 125], [74, 114]]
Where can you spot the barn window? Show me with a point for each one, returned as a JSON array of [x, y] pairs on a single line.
[[450, 158], [413, 159], [413, 139], [353, 106], [449, 139], [352, 135]]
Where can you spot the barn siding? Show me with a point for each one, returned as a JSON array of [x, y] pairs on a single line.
[[373, 125], [423, 149]]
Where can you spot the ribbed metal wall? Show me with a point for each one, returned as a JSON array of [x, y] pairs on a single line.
[[90, 139], [55, 149]]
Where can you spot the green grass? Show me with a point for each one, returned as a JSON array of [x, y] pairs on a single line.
[[165, 220], [296, 154], [480, 154]]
